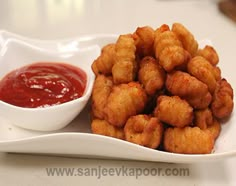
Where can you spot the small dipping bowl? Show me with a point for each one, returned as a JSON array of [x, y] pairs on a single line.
[[15, 53]]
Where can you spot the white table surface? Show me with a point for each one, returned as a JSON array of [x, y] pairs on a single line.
[[56, 19]]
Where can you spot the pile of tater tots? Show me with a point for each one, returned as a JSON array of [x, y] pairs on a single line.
[[158, 89]]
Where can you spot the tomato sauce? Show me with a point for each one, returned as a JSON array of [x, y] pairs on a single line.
[[43, 84]]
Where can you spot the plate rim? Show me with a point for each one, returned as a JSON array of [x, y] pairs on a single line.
[[184, 158]]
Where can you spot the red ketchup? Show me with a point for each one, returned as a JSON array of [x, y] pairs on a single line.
[[43, 84]]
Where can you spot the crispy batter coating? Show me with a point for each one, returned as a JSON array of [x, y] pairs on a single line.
[[125, 67], [157, 33], [214, 129], [100, 93], [124, 101], [190, 88], [174, 111], [173, 57], [168, 49], [222, 103], [151, 75], [210, 54], [186, 37], [144, 39], [104, 63], [102, 127], [188, 140], [203, 118], [163, 39], [200, 68], [201, 102], [144, 130], [184, 85]]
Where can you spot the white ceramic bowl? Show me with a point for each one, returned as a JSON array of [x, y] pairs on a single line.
[[17, 53]]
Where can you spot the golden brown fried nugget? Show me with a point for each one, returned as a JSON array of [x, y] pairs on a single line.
[[190, 88], [214, 129], [151, 75], [104, 63], [168, 49], [184, 85], [186, 37], [157, 33], [102, 127], [144, 39], [202, 69], [100, 93], [210, 54], [124, 101], [203, 118], [144, 130], [165, 39], [173, 57], [222, 103], [174, 111], [188, 140], [125, 67], [200, 102]]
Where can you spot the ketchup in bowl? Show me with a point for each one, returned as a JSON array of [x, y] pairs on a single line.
[[43, 84]]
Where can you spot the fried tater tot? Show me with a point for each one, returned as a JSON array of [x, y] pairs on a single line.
[[203, 118], [186, 37], [125, 67], [222, 103], [164, 39], [174, 111], [214, 129], [200, 68], [157, 33], [144, 130], [190, 88], [124, 101], [184, 85], [210, 54], [102, 127], [151, 75], [101, 90], [173, 57], [144, 39], [188, 140], [200, 102], [168, 49], [104, 63]]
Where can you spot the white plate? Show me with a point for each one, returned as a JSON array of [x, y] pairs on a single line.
[[76, 139]]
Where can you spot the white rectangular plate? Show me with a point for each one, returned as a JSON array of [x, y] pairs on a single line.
[[76, 139]]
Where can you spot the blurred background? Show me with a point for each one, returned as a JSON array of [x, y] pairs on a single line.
[[50, 19]]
